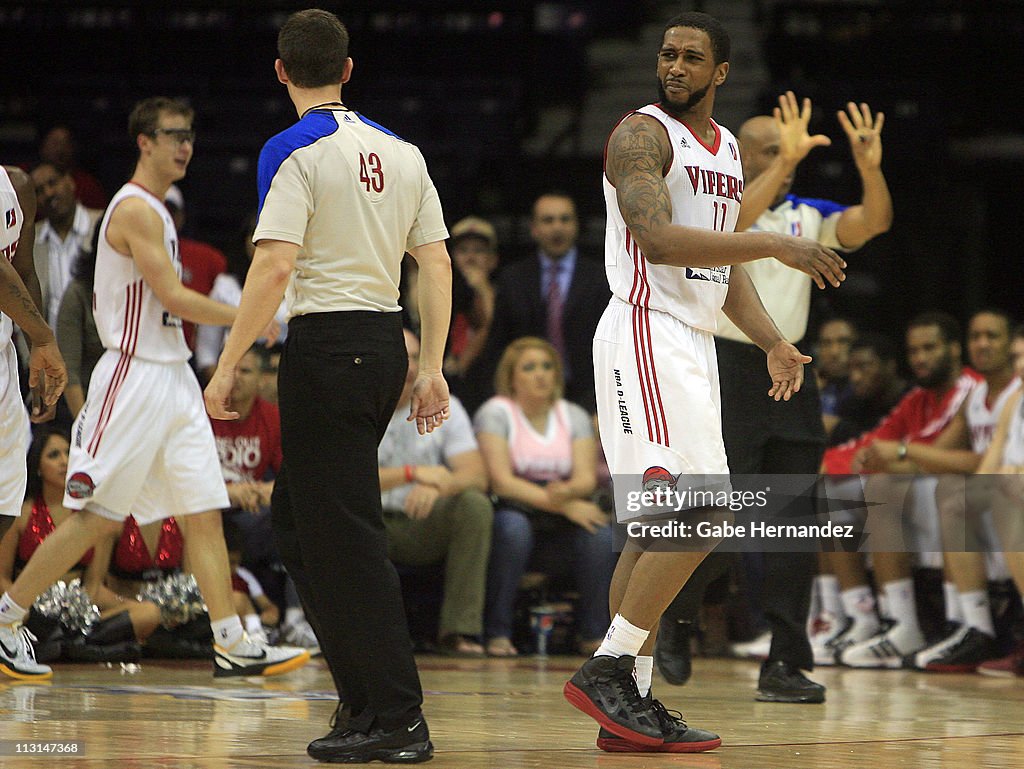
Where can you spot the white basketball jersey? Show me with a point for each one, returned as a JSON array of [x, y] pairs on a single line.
[[1013, 449], [9, 237], [981, 420], [129, 317], [705, 184]]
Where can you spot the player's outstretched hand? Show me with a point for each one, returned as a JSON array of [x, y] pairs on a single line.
[[786, 366], [429, 405], [218, 394], [823, 264]]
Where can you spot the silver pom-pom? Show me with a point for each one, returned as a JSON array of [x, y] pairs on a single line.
[[70, 604], [178, 597]]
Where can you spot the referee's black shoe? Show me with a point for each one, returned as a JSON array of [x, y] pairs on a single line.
[[605, 689], [672, 653], [408, 744], [782, 682]]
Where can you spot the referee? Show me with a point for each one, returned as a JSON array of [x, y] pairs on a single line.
[[341, 199], [772, 439]]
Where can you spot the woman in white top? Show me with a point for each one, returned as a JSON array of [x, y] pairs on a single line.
[[541, 455], [227, 288]]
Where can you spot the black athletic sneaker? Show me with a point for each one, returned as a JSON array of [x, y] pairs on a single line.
[[404, 745], [605, 689], [782, 682], [961, 651], [672, 653], [679, 738]]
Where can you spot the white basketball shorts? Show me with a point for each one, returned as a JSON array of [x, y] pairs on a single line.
[[658, 398], [142, 444], [14, 434]]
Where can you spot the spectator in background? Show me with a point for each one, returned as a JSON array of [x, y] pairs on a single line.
[[268, 374], [541, 456], [227, 288], [831, 364], [555, 294], [436, 511], [474, 249], [64, 229], [60, 150], [875, 387], [201, 263], [76, 328]]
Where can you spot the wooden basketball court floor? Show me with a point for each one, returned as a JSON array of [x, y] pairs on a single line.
[[509, 714]]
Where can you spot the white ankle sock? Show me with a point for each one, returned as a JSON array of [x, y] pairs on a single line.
[[252, 623], [976, 611], [857, 602], [828, 593], [10, 612], [623, 638], [293, 615], [951, 598], [644, 673], [227, 632], [899, 595]]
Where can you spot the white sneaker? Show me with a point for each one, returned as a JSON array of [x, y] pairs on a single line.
[[825, 628], [250, 657], [301, 634], [885, 649], [858, 629], [757, 649], [18, 656]]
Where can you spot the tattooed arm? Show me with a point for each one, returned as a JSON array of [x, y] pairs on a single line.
[[22, 306], [18, 300], [638, 154]]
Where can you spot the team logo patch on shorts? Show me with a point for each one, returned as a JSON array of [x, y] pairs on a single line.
[[659, 478], [80, 486]]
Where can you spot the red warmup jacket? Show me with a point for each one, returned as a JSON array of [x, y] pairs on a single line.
[[919, 417]]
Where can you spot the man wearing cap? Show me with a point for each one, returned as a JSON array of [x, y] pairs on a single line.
[[474, 250]]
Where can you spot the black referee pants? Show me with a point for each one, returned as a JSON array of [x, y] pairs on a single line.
[[765, 437], [340, 377]]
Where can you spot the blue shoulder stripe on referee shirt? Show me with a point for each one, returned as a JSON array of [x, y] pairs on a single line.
[[309, 130], [379, 127], [825, 207]]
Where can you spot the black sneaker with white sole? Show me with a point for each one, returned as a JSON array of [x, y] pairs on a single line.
[[408, 744]]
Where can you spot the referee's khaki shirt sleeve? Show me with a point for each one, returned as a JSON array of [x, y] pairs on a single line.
[[287, 207], [429, 226]]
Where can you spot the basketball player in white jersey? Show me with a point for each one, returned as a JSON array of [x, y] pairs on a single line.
[[964, 507], [341, 200], [20, 301], [673, 186], [142, 445], [1004, 460]]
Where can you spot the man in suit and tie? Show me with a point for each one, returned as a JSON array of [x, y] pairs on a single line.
[[557, 294]]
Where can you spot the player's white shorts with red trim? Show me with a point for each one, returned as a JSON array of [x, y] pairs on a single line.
[[658, 398], [14, 434], [142, 444]]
